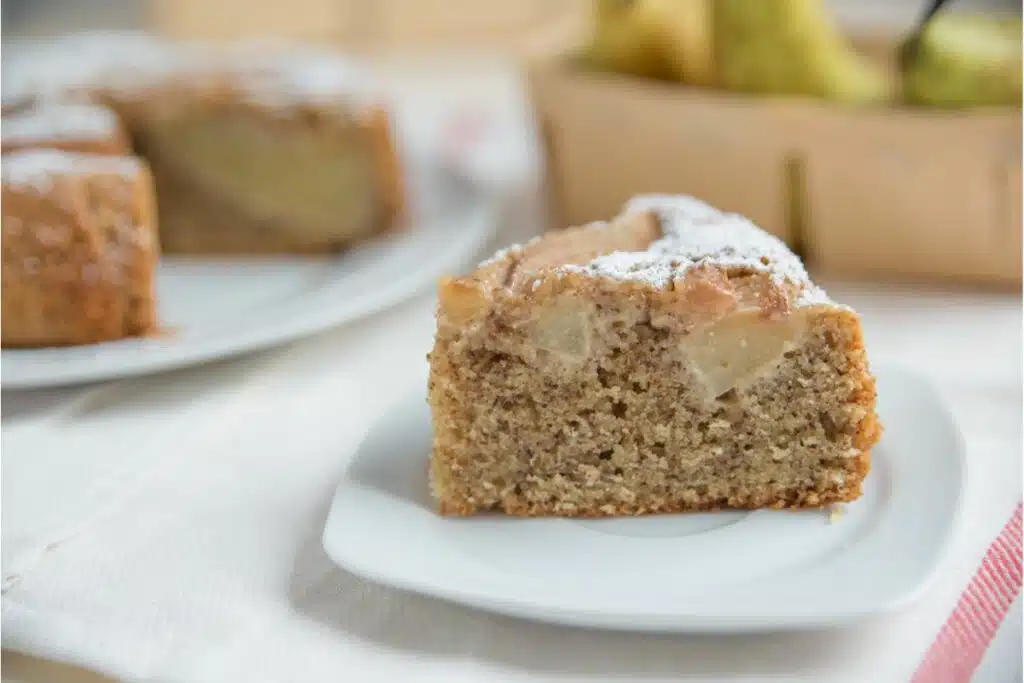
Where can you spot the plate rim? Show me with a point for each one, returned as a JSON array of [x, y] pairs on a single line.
[[674, 622], [479, 209]]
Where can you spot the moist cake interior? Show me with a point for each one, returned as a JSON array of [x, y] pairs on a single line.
[[232, 179], [629, 415]]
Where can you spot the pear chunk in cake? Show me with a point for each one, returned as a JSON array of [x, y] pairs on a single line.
[[676, 358]]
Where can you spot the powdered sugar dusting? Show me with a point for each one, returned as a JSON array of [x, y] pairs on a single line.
[[813, 295], [60, 122], [696, 233], [680, 205], [36, 169], [55, 69], [282, 75]]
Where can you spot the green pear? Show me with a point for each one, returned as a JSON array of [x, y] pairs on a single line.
[[791, 47], [965, 60]]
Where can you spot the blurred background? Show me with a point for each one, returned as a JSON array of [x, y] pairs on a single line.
[[398, 20], [797, 114]]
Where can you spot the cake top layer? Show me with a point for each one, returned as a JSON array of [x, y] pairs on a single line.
[[277, 74], [58, 121], [274, 74], [695, 234], [36, 169]]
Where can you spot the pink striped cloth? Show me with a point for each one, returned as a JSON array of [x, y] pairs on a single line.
[[962, 641]]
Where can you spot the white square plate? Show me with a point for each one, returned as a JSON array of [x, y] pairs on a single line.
[[715, 572]]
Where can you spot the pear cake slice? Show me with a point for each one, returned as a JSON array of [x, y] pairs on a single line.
[[676, 358]]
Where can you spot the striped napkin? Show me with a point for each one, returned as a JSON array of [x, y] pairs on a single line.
[[962, 641]]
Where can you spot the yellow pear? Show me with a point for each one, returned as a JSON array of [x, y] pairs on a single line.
[[791, 47], [627, 39], [687, 38], [665, 39]]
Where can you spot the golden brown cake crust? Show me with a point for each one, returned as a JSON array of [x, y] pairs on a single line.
[[810, 501], [79, 249], [388, 167], [645, 366]]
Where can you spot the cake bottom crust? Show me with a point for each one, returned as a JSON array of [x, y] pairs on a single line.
[[795, 500]]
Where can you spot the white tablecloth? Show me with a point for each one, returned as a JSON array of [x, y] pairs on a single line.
[[167, 528]]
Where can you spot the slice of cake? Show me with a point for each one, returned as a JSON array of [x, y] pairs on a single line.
[[79, 248], [674, 359]]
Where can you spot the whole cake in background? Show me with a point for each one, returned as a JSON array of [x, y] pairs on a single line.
[[676, 358], [250, 149]]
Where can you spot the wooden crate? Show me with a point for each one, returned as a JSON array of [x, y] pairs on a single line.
[[894, 191]]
